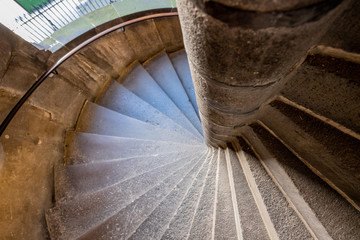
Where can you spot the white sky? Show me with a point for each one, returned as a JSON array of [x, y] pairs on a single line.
[[9, 10]]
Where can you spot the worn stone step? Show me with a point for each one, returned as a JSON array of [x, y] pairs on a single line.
[[163, 72], [156, 223], [181, 65], [143, 85], [225, 225], [181, 222], [118, 98], [75, 217], [87, 147], [330, 153], [202, 226], [280, 218], [100, 120], [332, 87], [74, 180], [329, 207], [125, 222], [286, 185], [251, 222]]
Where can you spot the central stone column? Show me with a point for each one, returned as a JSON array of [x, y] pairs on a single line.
[[240, 53]]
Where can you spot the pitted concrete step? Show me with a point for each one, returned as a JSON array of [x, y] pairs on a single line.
[[163, 72], [125, 222], [143, 85], [156, 224], [100, 120], [330, 153], [181, 65], [180, 225], [202, 226], [74, 180], [74, 218], [329, 207], [279, 216], [120, 99], [252, 224], [87, 147]]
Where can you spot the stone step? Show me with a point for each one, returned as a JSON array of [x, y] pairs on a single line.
[[332, 87], [163, 72], [74, 180], [181, 65], [286, 185], [117, 98], [143, 85], [87, 147], [179, 226], [156, 224], [100, 120], [125, 222], [250, 219], [280, 219], [202, 226], [330, 209], [75, 217], [330, 153], [226, 226]]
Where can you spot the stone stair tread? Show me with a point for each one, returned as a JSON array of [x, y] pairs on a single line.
[[251, 221], [117, 98], [181, 65], [330, 208], [225, 225], [181, 222], [88, 147], [163, 72], [329, 152], [75, 217], [156, 223], [202, 226], [100, 120], [73, 180], [126, 221], [284, 219], [143, 85]]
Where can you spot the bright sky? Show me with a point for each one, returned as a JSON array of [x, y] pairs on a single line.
[[9, 11]]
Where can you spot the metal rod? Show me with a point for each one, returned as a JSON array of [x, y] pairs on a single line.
[[28, 24], [66, 13], [18, 105], [69, 10], [77, 7]]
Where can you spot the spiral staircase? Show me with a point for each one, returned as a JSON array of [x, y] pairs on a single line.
[[136, 167]]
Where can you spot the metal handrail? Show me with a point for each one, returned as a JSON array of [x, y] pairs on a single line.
[[19, 104]]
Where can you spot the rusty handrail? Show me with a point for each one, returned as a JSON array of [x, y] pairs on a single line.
[[19, 104]]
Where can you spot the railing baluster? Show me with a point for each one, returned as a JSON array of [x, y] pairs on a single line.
[[54, 15], [37, 27], [63, 2], [63, 12], [98, 6], [28, 25], [26, 28], [59, 7], [76, 7]]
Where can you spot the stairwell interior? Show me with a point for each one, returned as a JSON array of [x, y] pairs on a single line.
[[112, 146]]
